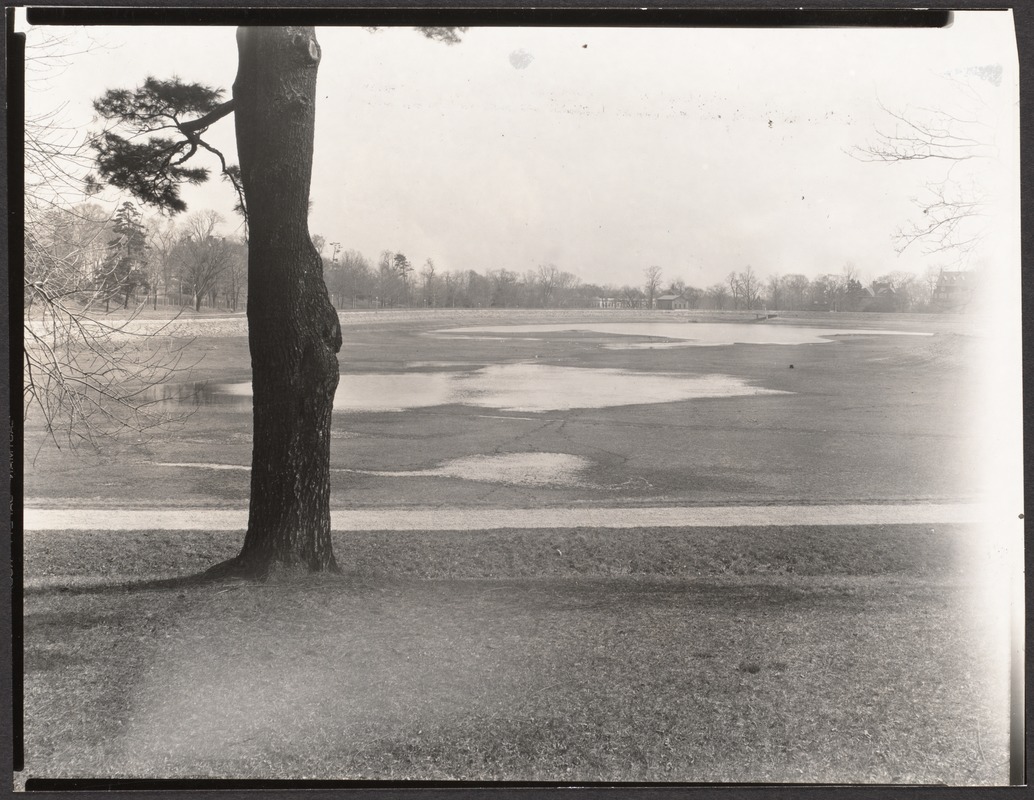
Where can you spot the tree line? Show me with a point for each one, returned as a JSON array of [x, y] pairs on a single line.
[[845, 290], [86, 255], [115, 260], [392, 281], [356, 281]]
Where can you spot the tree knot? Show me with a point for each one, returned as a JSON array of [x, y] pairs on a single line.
[[307, 45]]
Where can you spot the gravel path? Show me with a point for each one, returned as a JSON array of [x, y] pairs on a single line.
[[447, 519]]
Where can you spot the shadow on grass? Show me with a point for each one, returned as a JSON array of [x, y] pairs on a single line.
[[122, 587], [226, 573], [538, 594]]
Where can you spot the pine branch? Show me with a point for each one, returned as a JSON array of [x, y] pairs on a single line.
[[200, 124], [152, 168]]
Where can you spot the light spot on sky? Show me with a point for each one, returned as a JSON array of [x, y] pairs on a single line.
[[521, 59]]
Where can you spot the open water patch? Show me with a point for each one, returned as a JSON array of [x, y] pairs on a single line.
[[535, 469], [514, 469], [677, 334], [520, 387], [203, 465], [543, 387]]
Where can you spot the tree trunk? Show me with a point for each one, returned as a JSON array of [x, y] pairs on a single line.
[[293, 330]]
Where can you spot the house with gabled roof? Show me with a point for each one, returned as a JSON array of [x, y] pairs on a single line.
[[672, 302]]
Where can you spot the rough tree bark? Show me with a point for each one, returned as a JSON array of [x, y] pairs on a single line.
[[293, 330]]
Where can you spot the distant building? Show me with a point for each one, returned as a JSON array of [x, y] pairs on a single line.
[[619, 302], [953, 291], [672, 302], [880, 296]]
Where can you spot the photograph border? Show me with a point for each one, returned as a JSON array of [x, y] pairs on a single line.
[[684, 13]]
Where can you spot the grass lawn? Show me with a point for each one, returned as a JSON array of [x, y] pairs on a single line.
[[840, 655]]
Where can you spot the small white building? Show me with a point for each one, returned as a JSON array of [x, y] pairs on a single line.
[[672, 302]]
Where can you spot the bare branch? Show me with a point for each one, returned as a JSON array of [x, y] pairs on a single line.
[[85, 376], [952, 211]]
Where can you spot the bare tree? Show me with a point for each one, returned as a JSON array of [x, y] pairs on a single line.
[[505, 288], [547, 277], [749, 288], [64, 250], [162, 237], [236, 273], [794, 291], [352, 277], [430, 287], [734, 288], [718, 294], [566, 283], [449, 281], [633, 297], [553, 283], [388, 280], [775, 292], [653, 283], [84, 376], [203, 255]]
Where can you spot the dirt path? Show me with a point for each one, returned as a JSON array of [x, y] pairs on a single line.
[[448, 519]]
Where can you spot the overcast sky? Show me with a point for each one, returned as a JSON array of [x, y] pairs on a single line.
[[603, 151]]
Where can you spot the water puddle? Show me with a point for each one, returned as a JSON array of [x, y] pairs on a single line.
[[514, 469], [372, 392], [202, 465], [440, 365], [540, 387], [537, 388], [678, 334], [513, 387]]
